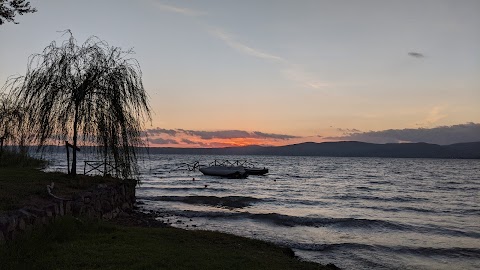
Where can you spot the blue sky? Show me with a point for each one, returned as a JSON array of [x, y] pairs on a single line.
[[306, 69]]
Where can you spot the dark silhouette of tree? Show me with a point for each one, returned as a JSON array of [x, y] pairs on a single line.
[[10, 8], [11, 117], [92, 93], [11, 131]]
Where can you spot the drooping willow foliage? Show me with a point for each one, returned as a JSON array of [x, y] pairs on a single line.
[[11, 118], [91, 94]]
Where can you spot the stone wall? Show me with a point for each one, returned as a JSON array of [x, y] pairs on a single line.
[[102, 202]]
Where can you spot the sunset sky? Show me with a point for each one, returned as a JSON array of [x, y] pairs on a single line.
[[226, 73]]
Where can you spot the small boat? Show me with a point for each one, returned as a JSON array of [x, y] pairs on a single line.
[[225, 171]]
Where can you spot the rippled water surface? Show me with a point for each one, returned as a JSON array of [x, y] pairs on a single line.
[[358, 213]]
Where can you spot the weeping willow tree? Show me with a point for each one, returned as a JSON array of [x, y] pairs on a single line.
[[90, 93]]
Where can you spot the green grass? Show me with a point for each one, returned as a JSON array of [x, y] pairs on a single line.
[[27, 186], [70, 244]]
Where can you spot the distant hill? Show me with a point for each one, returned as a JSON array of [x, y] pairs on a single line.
[[331, 149], [341, 149]]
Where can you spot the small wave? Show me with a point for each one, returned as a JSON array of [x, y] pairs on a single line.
[[367, 188], [377, 198], [472, 212], [379, 182], [437, 211], [227, 202], [454, 252], [348, 223], [291, 221], [332, 247], [400, 209], [297, 176], [302, 202], [181, 188], [417, 209]]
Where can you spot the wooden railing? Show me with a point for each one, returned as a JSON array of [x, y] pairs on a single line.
[[196, 165], [102, 167], [244, 163]]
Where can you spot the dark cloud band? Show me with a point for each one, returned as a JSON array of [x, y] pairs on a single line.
[[443, 135], [221, 134]]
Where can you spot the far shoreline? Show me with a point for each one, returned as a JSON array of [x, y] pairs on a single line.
[[352, 149]]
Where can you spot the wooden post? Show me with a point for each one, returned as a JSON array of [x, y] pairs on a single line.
[[1, 147], [68, 157], [68, 145], [105, 161]]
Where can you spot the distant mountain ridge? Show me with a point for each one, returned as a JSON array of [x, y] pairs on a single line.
[[341, 149], [469, 150]]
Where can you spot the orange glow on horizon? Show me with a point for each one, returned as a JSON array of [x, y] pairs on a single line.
[[232, 142]]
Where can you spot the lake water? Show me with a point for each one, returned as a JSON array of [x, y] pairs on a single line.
[[358, 213]]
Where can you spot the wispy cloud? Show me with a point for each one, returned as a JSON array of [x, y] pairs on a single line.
[[348, 131], [187, 141], [158, 131], [231, 41], [274, 136], [223, 134], [296, 74], [217, 138], [178, 10], [469, 132], [204, 144], [219, 134], [435, 114], [288, 69], [163, 141]]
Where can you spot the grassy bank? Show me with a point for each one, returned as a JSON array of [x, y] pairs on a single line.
[[21, 186], [71, 244]]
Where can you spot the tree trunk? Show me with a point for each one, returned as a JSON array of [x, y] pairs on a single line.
[[1, 148], [75, 131]]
